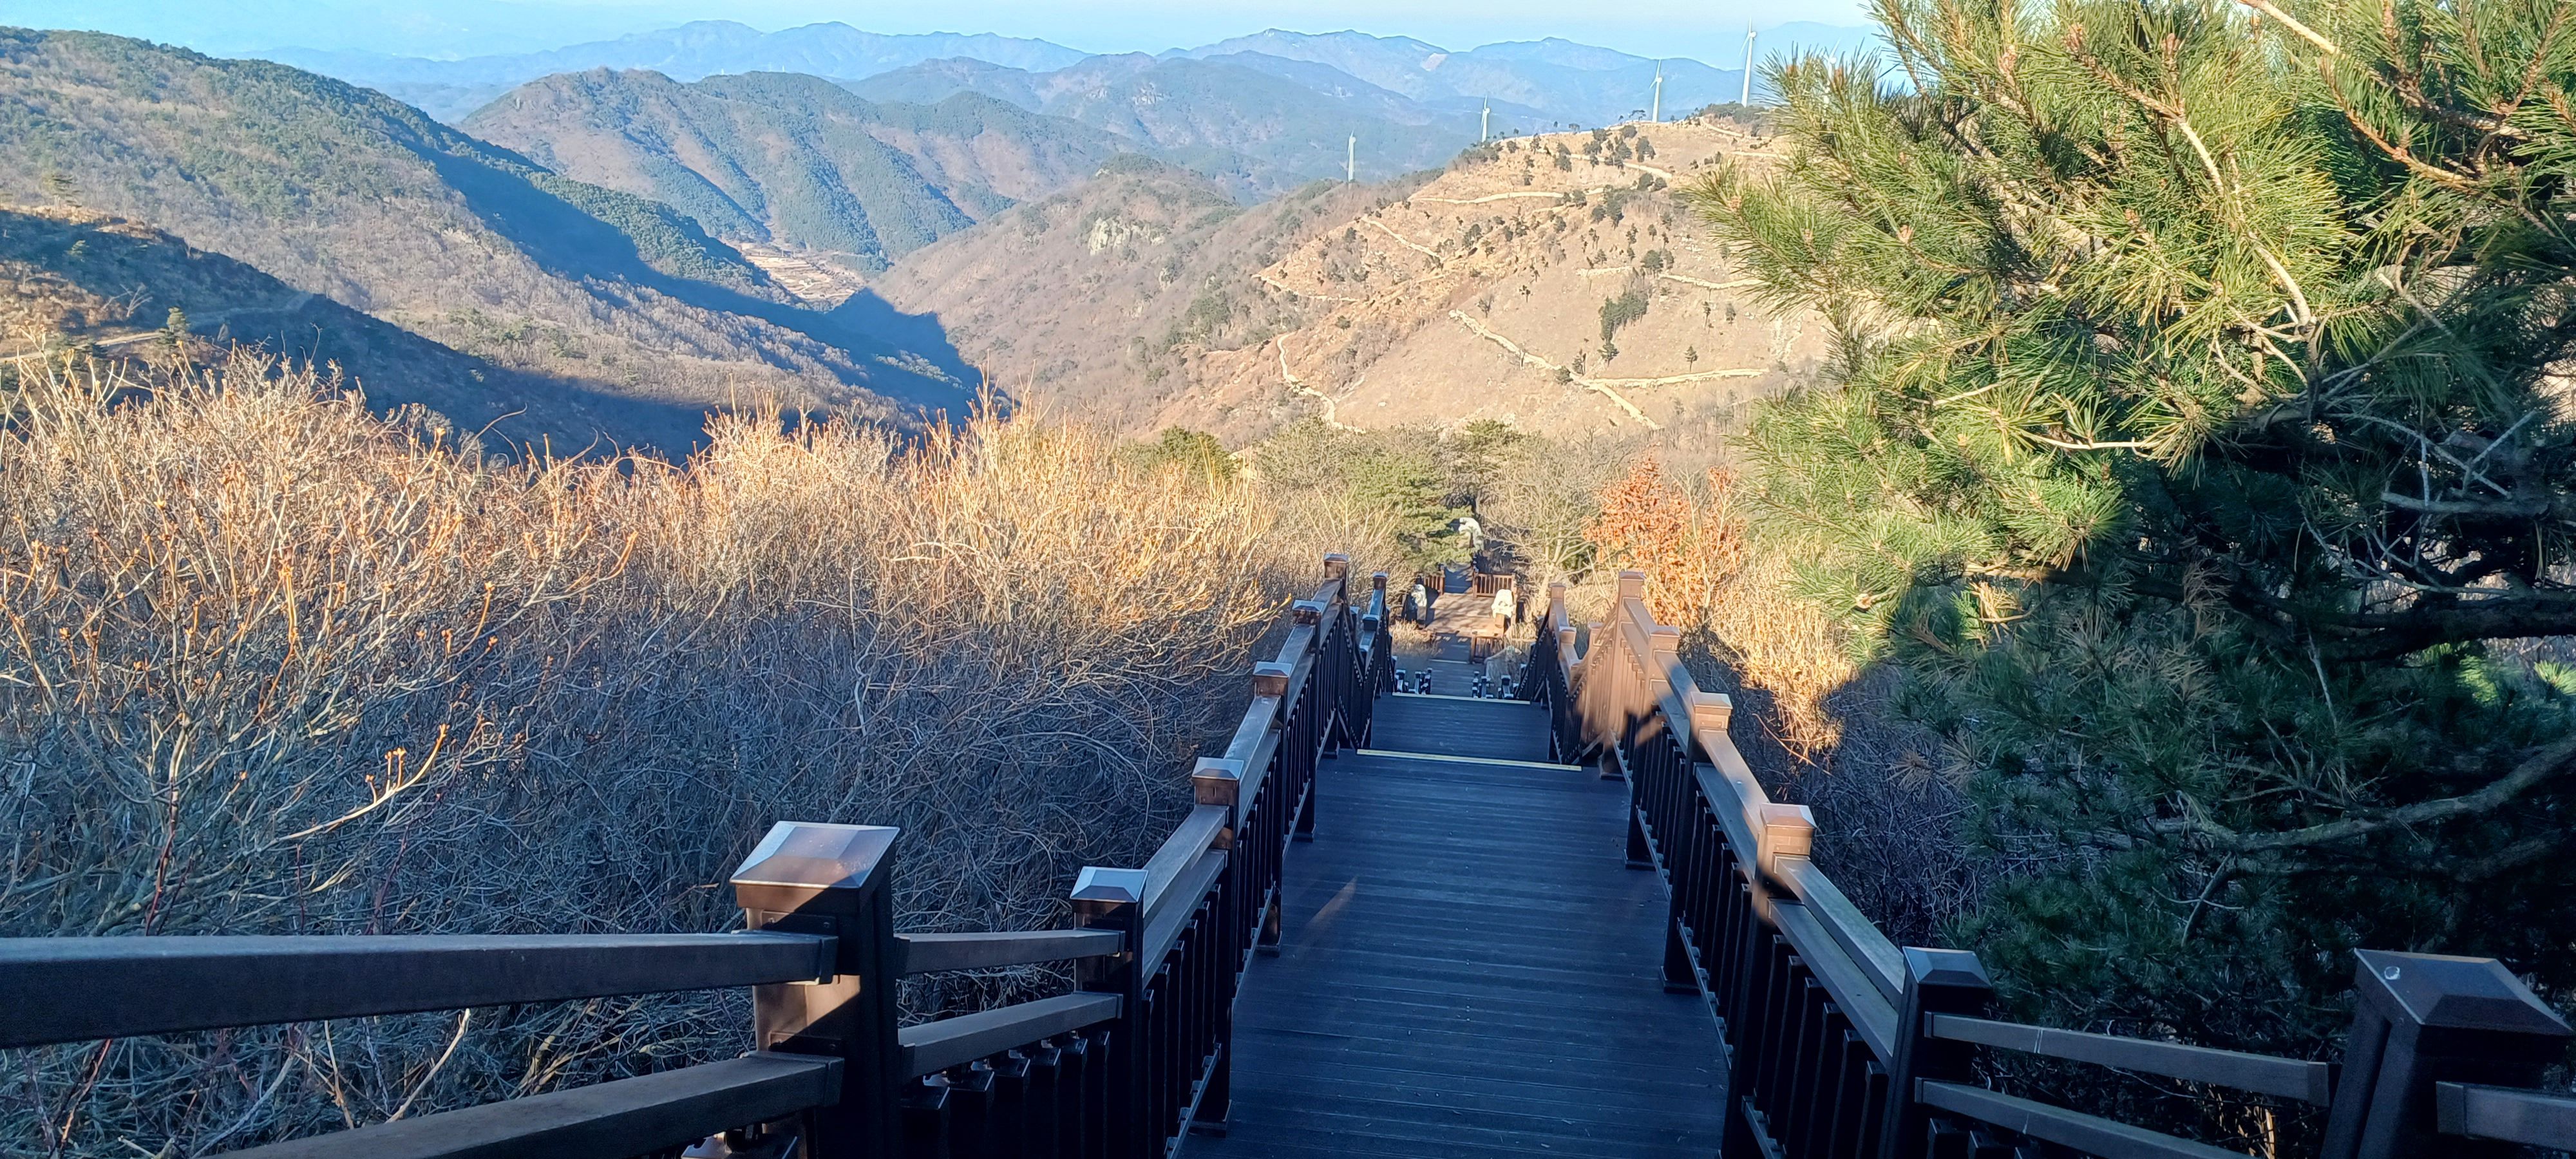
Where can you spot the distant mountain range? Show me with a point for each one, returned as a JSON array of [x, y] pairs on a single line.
[[1534, 84], [1259, 125], [1259, 114], [582, 292]]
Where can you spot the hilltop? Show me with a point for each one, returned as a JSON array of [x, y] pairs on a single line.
[[1481, 292], [343, 193]]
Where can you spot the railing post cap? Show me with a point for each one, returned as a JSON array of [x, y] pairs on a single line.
[[1377, 579], [1102, 886], [1336, 564], [2439, 990], [799, 860], [1632, 584], [1947, 969], [1784, 831], [1665, 638], [1711, 710], [1270, 678], [1307, 611], [1217, 768]]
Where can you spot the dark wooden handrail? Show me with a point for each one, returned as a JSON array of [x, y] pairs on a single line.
[[931, 953], [2089, 1134], [936, 1046], [611, 1120], [2288, 1078], [2506, 1115], [1841, 1044], [84, 989]]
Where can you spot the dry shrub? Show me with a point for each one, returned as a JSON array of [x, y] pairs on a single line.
[[271, 665], [1704, 574], [1815, 728]]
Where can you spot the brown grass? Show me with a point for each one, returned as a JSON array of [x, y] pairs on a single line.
[[269, 664]]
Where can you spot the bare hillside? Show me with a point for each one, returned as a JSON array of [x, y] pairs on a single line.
[[1555, 282], [1484, 292], [1103, 297]]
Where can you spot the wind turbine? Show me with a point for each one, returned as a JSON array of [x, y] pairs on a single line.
[[1748, 67], [1486, 133], [1351, 167], [1657, 116]]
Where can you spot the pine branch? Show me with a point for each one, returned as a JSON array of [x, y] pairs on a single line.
[[2543, 764]]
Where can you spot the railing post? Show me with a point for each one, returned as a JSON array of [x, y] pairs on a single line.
[[1296, 753], [1379, 675], [1710, 714], [1936, 982], [812, 878], [2421, 1019], [1604, 672], [1114, 899], [1220, 783]]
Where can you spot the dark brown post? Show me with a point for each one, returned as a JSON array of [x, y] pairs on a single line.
[[1114, 899], [2421, 1019], [1220, 782], [811, 878], [1936, 982], [1381, 672]]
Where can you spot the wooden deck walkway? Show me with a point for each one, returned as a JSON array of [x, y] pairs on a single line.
[[1468, 968]]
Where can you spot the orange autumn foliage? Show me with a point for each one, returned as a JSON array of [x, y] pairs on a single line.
[[1690, 551]]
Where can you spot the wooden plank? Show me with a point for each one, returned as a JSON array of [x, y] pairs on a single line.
[[1189, 840], [80, 989], [1877, 957], [1469, 971], [1164, 922], [2533, 1118], [931, 1047], [2289, 1078], [612, 1120], [925, 953], [2085, 1133]]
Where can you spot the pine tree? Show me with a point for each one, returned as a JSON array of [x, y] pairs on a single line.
[[2193, 445]]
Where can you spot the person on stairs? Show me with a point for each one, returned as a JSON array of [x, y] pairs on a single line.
[[1422, 602]]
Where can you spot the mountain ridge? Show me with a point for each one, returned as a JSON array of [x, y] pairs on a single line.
[[792, 159], [341, 192]]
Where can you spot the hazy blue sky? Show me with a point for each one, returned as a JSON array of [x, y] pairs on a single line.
[[1712, 30]]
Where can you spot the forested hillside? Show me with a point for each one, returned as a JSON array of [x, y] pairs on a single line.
[[792, 160], [343, 193]]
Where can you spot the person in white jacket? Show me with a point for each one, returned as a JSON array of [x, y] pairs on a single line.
[[1504, 607]]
